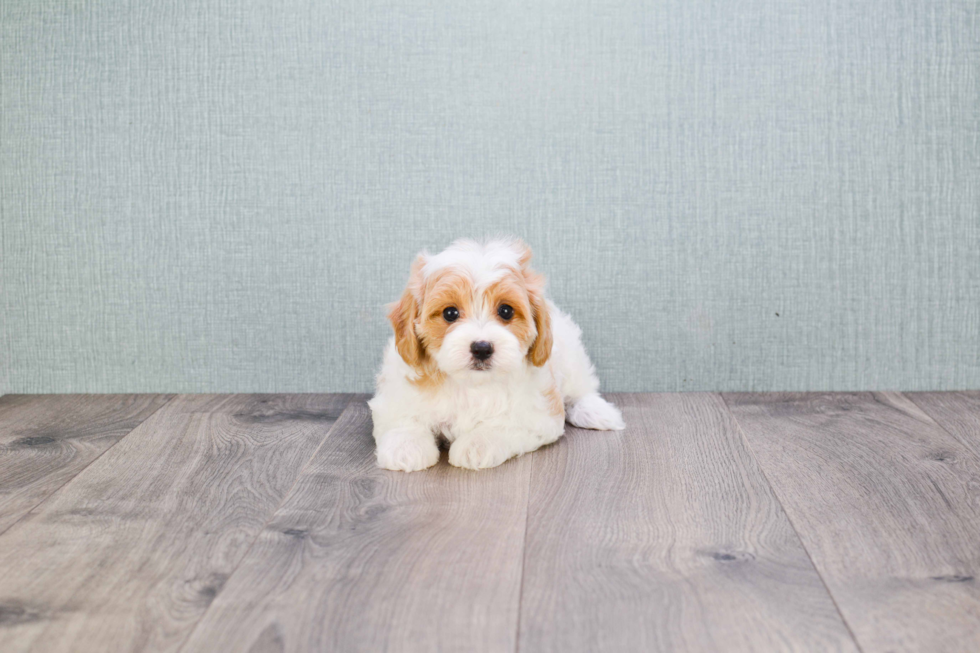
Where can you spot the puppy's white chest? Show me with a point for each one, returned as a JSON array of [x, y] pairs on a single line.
[[464, 408]]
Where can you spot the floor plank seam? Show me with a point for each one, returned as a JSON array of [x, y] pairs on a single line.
[[520, 595], [90, 463], [940, 425], [190, 634], [792, 524]]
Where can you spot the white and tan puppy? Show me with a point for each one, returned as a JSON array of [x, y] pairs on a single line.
[[481, 360]]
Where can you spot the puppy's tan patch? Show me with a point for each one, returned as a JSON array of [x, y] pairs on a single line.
[[556, 406], [446, 288], [511, 290]]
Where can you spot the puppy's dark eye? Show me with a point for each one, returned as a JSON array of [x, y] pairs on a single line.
[[506, 312], [450, 314]]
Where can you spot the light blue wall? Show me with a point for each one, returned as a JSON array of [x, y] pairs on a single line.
[[219, 195]]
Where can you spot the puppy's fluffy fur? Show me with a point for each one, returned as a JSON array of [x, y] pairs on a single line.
[[436, 383]]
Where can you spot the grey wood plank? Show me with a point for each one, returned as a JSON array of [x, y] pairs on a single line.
[[129, 554], [888, 505], [46, 439], [957, 412], [666, 537], [364, 559]]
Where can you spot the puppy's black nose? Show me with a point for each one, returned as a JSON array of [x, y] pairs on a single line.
[[481, 350]]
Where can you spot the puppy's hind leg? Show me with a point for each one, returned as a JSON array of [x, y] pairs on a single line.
[[593, 412], [579, 384]]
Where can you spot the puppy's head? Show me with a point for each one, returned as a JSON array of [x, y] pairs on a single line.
[[474, 311]]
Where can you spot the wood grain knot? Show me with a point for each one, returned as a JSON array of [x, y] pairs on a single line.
[[35, 441], [953, 578], [15, 614], [728, 556], [942, 456]]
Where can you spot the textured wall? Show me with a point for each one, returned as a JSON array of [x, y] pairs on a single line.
[[220, 194]]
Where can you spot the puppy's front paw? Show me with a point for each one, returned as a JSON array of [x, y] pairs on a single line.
[[406, 451], [478, 452]]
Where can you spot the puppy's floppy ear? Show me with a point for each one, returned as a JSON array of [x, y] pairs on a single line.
[[405, 312], [540, 349]]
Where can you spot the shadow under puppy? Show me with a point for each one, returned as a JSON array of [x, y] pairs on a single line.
[[483, 360]]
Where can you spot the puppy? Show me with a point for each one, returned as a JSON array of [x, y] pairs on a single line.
[[481, 360]]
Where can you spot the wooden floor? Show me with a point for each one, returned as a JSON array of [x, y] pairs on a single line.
[[770, 522]]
